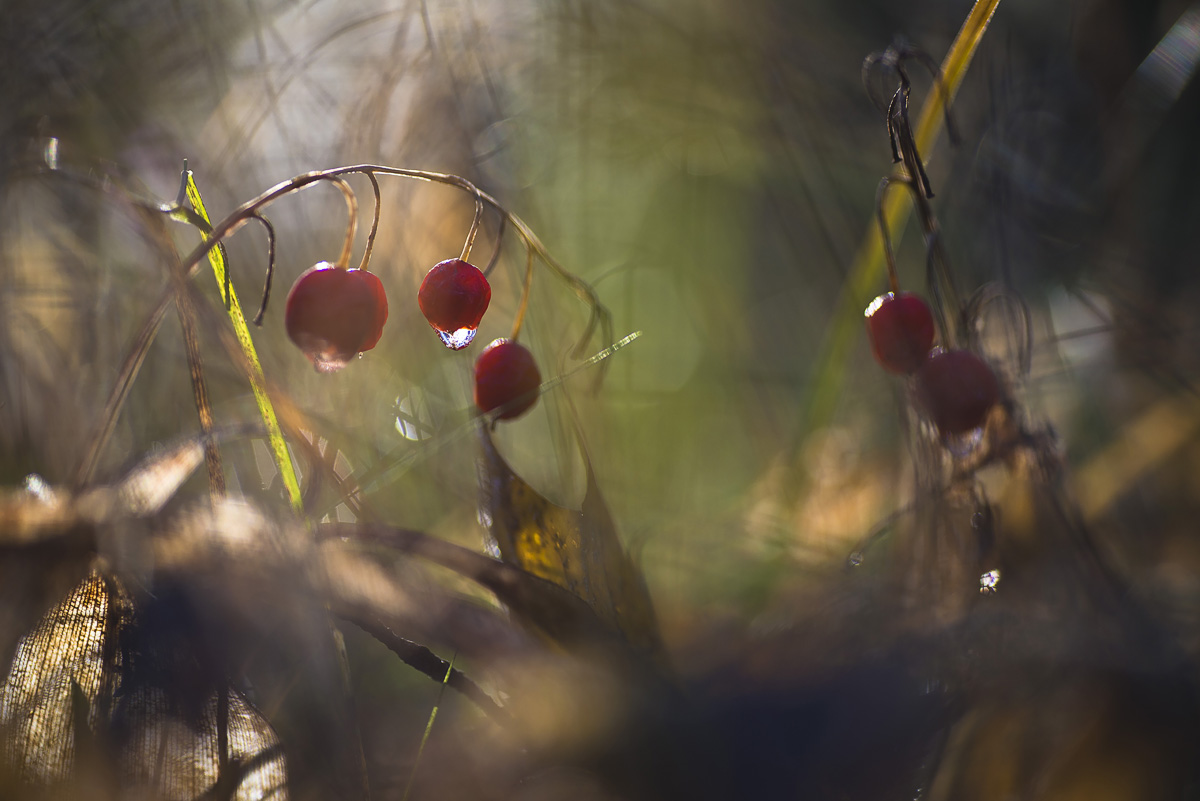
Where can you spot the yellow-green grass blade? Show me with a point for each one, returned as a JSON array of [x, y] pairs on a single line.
[[216, 258]]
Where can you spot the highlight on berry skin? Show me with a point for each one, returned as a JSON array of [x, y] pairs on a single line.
[[507, 378], [453, 297], [333, 314], [901, 329]]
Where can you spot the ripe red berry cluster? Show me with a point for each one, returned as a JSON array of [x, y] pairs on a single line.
[[453, 297], [334, 313], [955, 388]]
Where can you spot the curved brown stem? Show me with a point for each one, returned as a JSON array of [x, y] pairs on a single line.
[[474, 230], [366, 259], [943, 295], [907, 144], [520, 318], [266, 294], [891, 128], [495, 259], [935, 71], [889, 252], [892, 60], [343, 262], [599, 317], [940, 282], [869, 64]]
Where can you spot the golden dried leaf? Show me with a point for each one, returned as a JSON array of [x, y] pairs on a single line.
[[576, 550]]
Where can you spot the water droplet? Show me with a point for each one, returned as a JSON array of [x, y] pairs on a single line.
[[491, 547], [413, 418], [327, 361], [855, 559], [50, 152], [457, 340], [36, 486], [328, 365], [963, 445], [988, 582]]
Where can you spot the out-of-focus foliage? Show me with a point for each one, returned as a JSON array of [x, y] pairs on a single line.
[[1018, 624]]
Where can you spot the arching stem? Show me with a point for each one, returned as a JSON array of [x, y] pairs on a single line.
[[474, 230], [599, 316], [904, 141], [495, 259], [892, 60], [520, 318], [366, 259], [266, 295], [889, 253], [343, 262], [936, 277]]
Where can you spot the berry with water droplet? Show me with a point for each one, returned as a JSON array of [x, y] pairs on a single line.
[[956, 389], [333, 314], [506, 376], [453, 298], [900, 327]]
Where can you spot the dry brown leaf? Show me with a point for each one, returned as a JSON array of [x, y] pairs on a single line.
[[577, 550]]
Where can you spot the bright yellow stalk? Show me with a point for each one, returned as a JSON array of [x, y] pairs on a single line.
[[216, 258]]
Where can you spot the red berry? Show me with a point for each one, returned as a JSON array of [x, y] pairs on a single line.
[[333, 314], [900, 327], [381, 309], [505, 373], [956, 389], [453, 298]]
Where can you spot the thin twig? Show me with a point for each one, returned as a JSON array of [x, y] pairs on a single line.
[[525, 290], [266, 295], [366, 259], [426, 662], [495, 259]]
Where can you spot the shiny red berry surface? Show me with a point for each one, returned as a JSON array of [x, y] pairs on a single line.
[[453, 298], [900, 327], [956, 389], [505, 373], [379, 297], [334, 314]]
